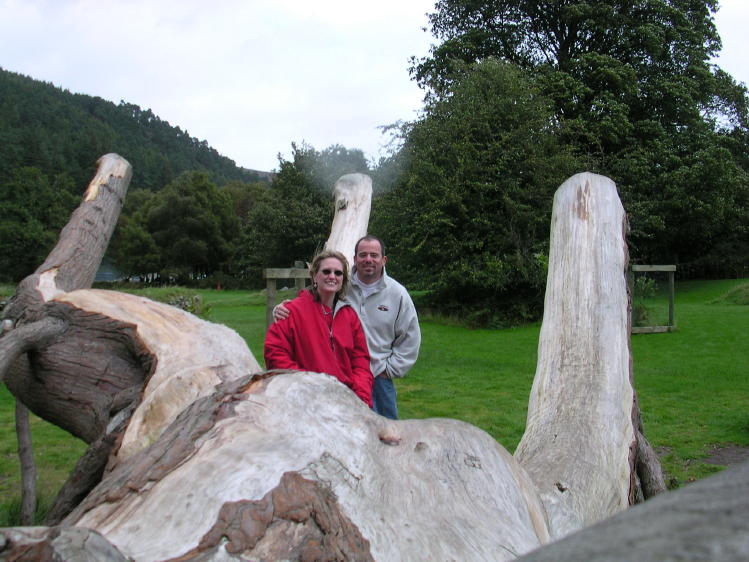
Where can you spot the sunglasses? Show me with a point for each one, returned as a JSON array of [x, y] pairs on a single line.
[[338, 272]]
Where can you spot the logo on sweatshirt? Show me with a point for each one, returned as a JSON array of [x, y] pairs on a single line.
[[383, 308]]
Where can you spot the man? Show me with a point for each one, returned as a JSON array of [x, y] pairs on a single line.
[[389, 318]]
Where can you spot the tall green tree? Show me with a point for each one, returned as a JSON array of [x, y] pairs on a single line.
[[132, 248], [665, 46], [193, 223], [636, 96], [291, 224], [469, 216], [33, 209], [293, 221], [245, 196]]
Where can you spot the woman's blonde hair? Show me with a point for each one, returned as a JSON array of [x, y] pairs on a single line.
[[314, 267]]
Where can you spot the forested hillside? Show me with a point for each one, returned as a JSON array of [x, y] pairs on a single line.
[[50, 140], [57, 131], [191, 215]]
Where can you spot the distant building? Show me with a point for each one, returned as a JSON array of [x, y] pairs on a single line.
[[108, 273]]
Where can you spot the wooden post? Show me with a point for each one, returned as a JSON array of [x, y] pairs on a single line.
[[270, 300], [671, 321], [300, 275], [670, 269], [300, 282]]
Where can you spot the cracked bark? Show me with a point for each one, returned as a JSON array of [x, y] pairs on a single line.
[[298, 520]]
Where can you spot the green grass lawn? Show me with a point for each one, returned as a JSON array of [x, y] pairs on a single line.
[[55, 451], [692, 383]]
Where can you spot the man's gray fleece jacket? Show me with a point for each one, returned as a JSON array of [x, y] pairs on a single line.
[[390, 323]]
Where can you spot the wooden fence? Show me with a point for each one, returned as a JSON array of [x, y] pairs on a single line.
[[670, 269], [298, 273]]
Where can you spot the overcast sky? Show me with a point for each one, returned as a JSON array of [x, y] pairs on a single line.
[[252, 76]]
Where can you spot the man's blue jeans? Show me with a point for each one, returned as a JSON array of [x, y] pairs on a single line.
[[383, 397]]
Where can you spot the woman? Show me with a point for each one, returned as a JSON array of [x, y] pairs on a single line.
[[323, 333]]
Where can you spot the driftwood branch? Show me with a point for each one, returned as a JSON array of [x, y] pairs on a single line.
[[27, 337], [13, 344], [87, 473], [71, 265], [648, 467], [28, 467], [30, 325], [118, 350], [76, 258]]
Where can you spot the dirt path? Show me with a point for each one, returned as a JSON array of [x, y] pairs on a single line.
[[728, 455]]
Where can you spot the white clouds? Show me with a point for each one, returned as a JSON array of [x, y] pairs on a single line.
[[249, 76], [732, 20]]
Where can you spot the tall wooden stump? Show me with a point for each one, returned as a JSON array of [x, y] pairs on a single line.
[[353, 200], [579, 434]]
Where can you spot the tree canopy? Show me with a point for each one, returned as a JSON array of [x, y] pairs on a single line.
[[652, 54], [33, 208], [468, 217], [633, 95], [195, 231], [193, 223], [292, 221]]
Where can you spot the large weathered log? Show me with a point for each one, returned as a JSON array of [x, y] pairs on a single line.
[[74, 381], [173, 356], [189, 357], [71, 265], [291, 461], [706, 520]]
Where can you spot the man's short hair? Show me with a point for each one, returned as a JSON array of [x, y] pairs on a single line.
[[370, 238]]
